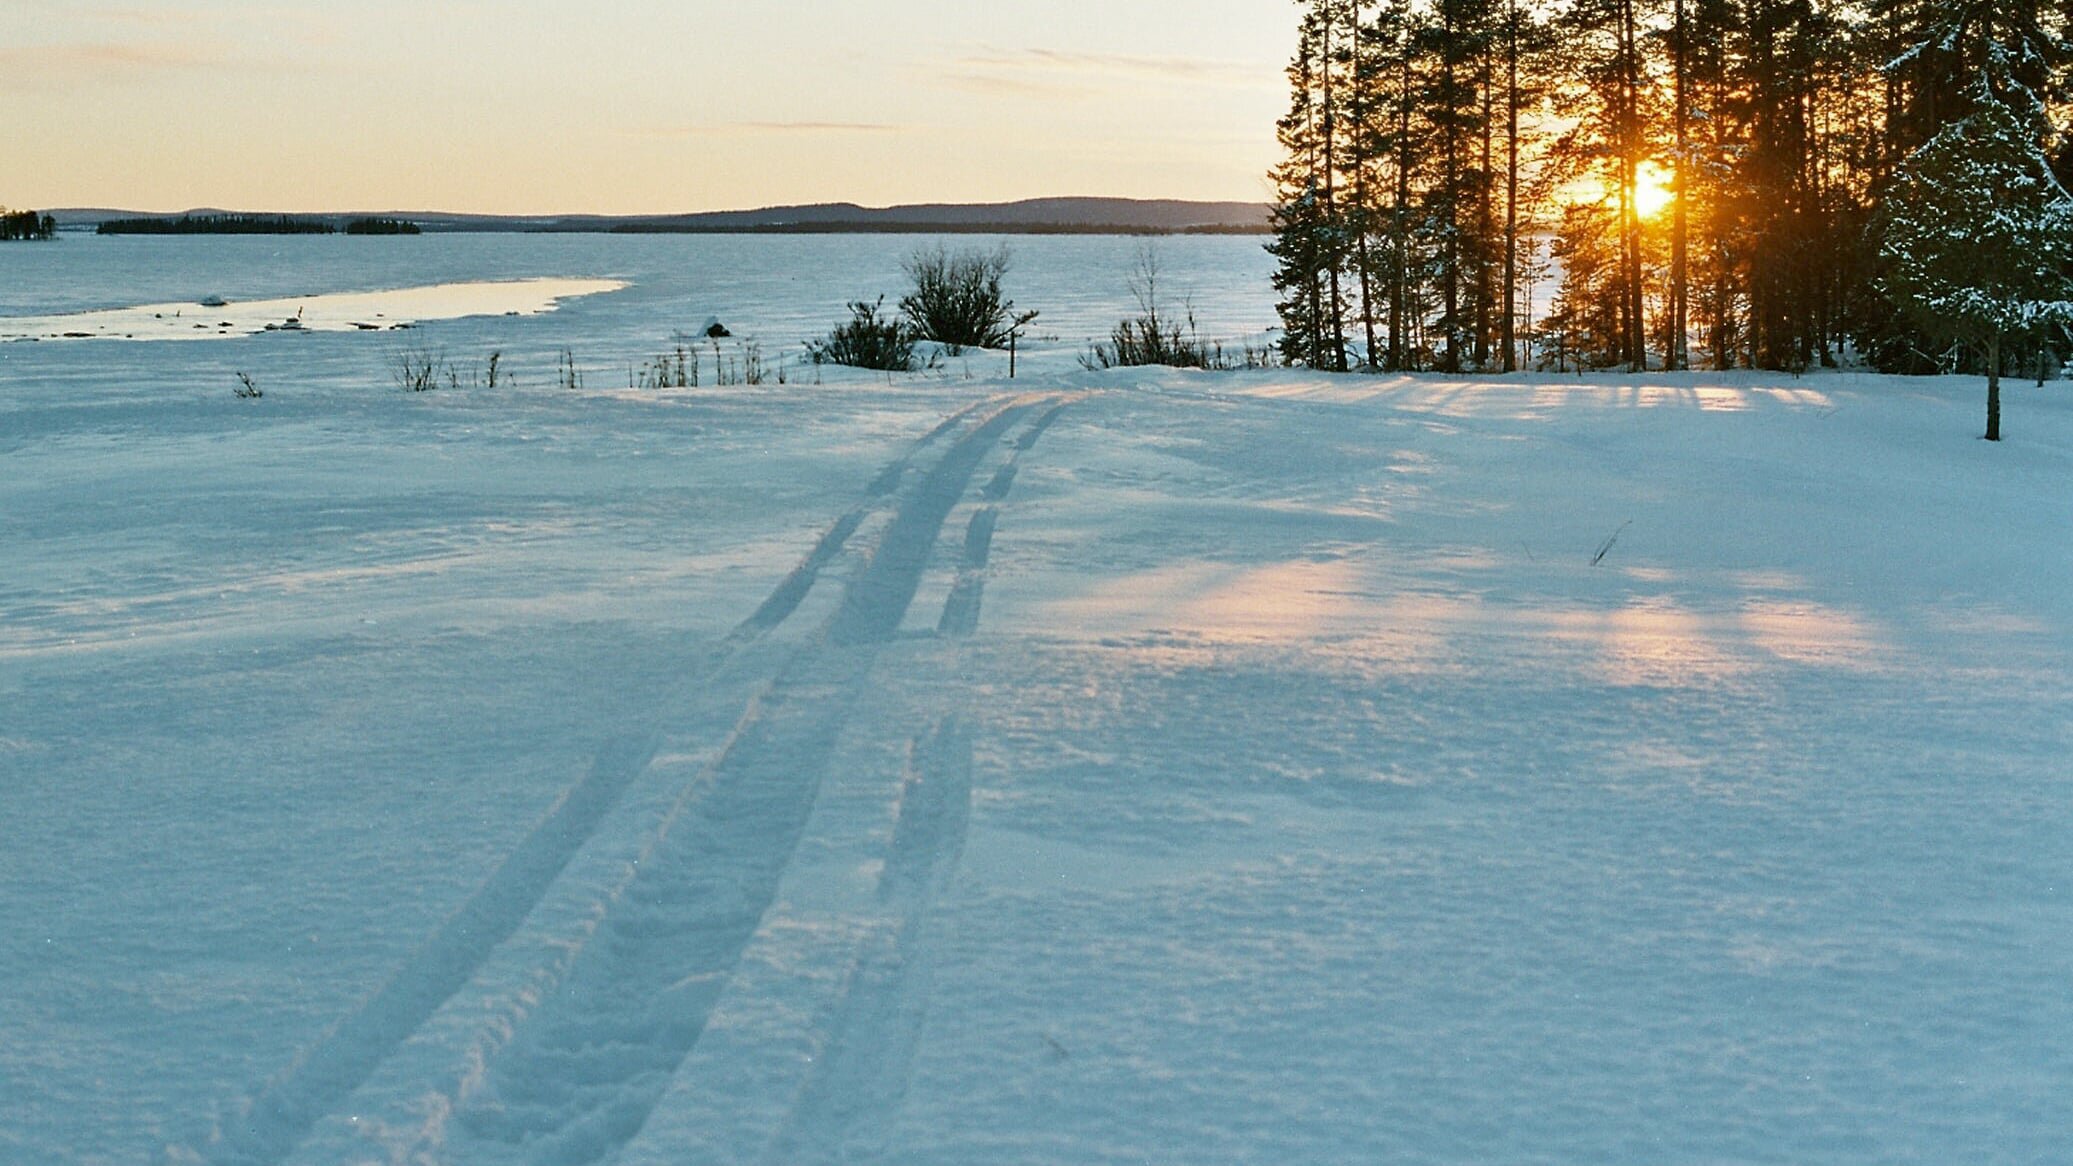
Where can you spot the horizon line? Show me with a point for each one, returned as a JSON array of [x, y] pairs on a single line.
[[737, 210]]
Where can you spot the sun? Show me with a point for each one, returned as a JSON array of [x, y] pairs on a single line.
[[1653, 189]]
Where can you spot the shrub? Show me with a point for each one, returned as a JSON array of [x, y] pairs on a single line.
[[957, 300], [420, 370], [866, 340], [1151, 338], [749, 369], [671, 370], [417, 370]]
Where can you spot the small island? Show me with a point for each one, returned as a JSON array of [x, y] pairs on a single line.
[[237, 224], [19, 226]]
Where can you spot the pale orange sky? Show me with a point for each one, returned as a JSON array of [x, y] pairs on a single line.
[[633, 106]]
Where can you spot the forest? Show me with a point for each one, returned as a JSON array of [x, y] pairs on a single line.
[[1665, 184]]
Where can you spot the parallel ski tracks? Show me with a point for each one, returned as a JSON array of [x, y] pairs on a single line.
[[573, 1078], [855, 1085]]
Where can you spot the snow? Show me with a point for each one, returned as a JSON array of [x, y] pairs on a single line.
[[1118, 767]]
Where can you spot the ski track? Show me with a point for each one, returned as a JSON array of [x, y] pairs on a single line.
[[856, 1084], [581, 1077], [961, 610], [268, 1126], [844, 1107], [960, 616]]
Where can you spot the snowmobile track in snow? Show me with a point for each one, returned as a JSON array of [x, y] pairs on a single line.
[[580, 1074], [861, 1074]]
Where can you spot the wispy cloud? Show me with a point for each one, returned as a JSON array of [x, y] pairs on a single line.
[[1060, 73], [759, 128], [810, 127], [43, 66], [180, 17]]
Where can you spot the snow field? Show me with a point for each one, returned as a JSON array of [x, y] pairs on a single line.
[[1093, 768]]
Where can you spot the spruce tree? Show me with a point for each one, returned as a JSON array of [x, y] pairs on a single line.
[[1977, 236], [1299, 213], [1311, 231]]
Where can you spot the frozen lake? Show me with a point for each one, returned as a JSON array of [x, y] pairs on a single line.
[[777, 290]]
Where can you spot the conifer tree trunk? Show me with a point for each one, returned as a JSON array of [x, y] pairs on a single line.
[[1400, 248], [1486, 207], [1333, 220], [1994, 387], [1630, 173], [1316, 322], [1674, 356], [1450, 129], [1507, 324]]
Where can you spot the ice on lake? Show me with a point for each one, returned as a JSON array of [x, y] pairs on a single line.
[[371, 311]]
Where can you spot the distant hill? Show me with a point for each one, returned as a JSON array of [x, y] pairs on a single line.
[[1028, 214], [1034, 216]]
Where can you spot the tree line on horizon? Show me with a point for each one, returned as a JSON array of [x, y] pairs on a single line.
[[1704, 183], [18, 226], [253, 225]]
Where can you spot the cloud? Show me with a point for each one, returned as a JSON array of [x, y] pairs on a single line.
[[59, 65], [759, 128], [810, 127], [152, 18], [1064, 73]]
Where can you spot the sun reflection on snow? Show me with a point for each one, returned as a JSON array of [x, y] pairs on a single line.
[[1338, 610], [1535, 399], [1805, 632], [1651, 641], [1223, 602]]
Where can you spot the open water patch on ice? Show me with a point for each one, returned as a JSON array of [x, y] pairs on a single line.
[[364, 311]]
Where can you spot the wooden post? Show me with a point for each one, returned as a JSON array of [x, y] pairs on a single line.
[[1014, 333]]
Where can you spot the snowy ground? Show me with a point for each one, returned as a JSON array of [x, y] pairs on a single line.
[[1138, 767]]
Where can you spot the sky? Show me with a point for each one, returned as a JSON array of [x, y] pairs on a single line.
[[633, 106]]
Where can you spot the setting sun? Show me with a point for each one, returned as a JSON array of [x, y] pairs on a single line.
[[1652, 189]]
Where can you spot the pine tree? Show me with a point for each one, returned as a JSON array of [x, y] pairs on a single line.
[[1308, 231], [1608, 96], [1977, 236]]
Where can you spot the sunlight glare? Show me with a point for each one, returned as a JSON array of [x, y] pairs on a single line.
[[1652, 189]]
